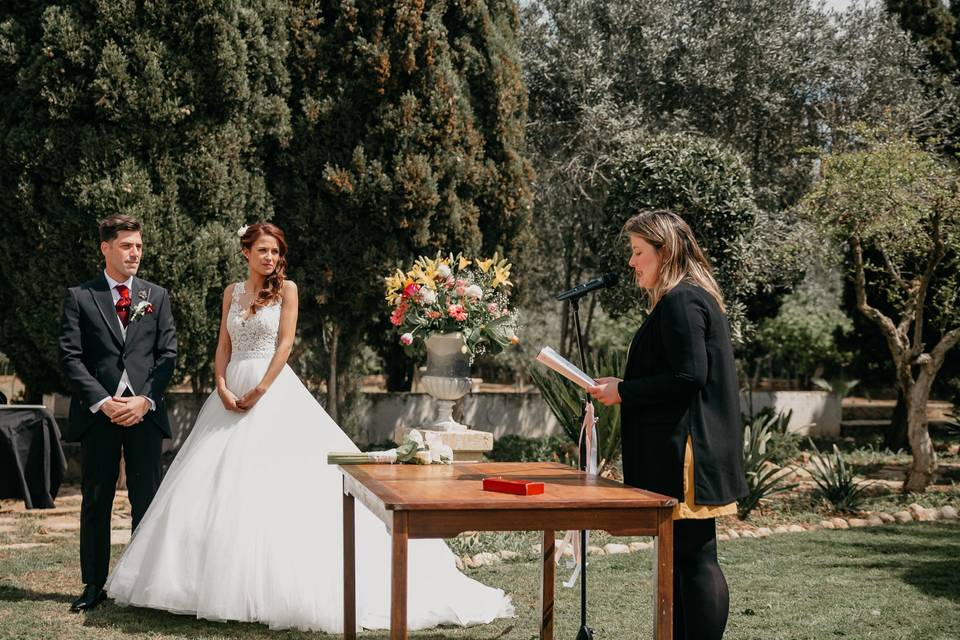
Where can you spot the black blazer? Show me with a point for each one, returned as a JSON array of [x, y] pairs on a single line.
[[681, 379], [94, 352]]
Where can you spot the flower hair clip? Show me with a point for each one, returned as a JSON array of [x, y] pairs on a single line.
[[242, 230]]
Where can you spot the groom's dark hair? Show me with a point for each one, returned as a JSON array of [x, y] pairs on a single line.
[[112, 226]]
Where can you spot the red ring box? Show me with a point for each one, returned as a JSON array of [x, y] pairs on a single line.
[[516, 487]]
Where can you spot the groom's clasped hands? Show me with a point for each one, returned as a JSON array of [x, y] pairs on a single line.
[[126, 411]]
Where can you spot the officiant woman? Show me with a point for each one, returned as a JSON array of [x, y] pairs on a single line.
[[680, 410]]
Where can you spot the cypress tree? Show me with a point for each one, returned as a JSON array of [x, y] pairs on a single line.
[[157, 110]]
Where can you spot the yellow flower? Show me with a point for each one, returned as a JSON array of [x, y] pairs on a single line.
[[501, 275], [485, 264], [464, 262]]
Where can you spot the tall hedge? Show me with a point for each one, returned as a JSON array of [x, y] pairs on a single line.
[[158, 110]]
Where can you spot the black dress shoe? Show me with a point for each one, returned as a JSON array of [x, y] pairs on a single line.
[[92, 596]]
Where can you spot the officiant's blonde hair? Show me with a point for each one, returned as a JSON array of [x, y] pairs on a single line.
[[681, 258]]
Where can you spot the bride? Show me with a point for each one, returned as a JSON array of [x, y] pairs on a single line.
[[247, 522]]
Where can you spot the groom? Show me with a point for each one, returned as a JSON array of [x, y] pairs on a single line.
[[118, 347]]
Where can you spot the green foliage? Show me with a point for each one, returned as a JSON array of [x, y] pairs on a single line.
[[709, 187], [408, 134], [514, 448], [801, 338], [765, 478], [566, 401], [157, 110], [835, 479], [931, 23]]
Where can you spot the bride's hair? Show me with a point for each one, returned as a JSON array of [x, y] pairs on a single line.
[[273, 284]]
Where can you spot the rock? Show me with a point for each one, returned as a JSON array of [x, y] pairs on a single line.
[[61, 524], [857, 522], [595, 551], [886, 517], [747, 534], [839, 523], [781, 529], [722, 537], [827, 524], [928, 515], [874, 520], [485, 558], [121, 523], [903, 516], [733, 534], [915, 509], [120, 536], [795, 528], [640, 546], [614, 548], [509, 555], [764, 532], [948, 513]]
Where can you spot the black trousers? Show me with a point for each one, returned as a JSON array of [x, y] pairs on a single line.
[[701, 599], [100, 452]]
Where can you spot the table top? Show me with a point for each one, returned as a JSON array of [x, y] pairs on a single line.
[[458, 486]]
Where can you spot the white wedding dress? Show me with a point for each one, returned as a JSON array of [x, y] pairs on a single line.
[[247, 523]]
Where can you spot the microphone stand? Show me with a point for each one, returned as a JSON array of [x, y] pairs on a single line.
[[585, 633]]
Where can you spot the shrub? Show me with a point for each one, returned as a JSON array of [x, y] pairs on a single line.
[[765, 478], [513, 448], [835, 480]]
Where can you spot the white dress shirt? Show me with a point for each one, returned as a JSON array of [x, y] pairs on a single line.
[[124, 379]]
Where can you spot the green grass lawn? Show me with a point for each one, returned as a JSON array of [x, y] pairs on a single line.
[[893, 582]]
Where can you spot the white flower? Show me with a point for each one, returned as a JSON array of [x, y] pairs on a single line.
[[406, 339], [416, 437], [443, 271], [428, 296], [424, 457], [442, 453], [474, 291], [242, 230]]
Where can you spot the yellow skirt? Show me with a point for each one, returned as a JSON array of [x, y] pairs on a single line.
[[689, 509]]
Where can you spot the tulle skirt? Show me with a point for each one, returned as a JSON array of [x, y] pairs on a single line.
[[247, 525]]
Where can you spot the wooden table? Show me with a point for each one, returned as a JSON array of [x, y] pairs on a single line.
[[440, 501]]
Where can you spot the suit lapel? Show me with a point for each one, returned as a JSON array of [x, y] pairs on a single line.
[[104, 299], [136, 287]]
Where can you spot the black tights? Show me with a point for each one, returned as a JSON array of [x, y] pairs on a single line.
[[701, 600]]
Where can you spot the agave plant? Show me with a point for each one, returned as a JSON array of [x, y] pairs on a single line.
[[835, 479], [566, 401], [764, 477]]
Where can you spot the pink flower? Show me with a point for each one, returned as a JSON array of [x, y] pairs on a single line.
[[456, 312], [450, 283], [406, 339], [398, 314], [411, 290], [492, 308]]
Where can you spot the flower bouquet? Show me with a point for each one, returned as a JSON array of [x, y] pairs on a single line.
[[454, 294], [414, 450]]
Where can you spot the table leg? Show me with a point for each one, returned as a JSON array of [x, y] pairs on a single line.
[[349, 570], [663, 619], [549, 564], [398, 587]]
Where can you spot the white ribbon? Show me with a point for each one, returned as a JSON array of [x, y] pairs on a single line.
[[588, 432]]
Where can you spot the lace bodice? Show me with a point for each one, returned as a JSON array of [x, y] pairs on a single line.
[[252, 336]]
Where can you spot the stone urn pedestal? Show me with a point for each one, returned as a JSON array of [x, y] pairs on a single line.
[[447, 379]]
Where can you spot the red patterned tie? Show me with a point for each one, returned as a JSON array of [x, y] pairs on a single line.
[[123, 304]]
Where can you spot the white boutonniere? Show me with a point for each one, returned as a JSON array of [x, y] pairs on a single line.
[[143, 307]]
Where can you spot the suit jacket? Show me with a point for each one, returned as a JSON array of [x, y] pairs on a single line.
[[680, 380], [94, 351]]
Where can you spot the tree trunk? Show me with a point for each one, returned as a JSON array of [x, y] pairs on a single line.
[[896, 436], [332, 399], [924, 465]]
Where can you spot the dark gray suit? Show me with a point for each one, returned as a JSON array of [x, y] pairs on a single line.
[[94, 353]]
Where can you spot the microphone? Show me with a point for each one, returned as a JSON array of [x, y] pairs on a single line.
[[606, 280]]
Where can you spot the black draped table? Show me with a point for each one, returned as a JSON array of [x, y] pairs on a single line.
[[31, 457]]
